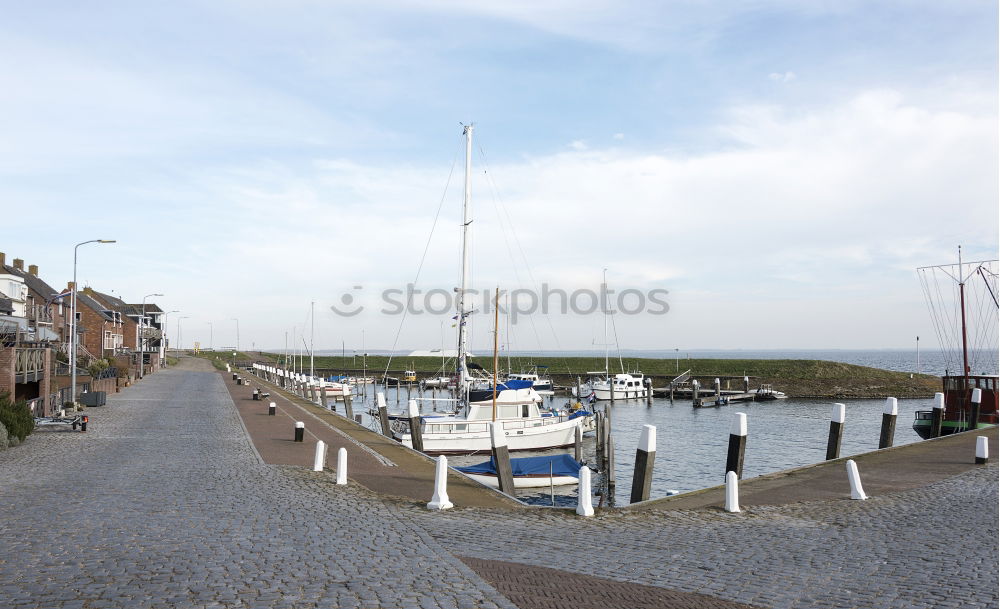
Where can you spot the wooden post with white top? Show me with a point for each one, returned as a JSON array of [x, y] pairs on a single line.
[[737, 444], [645, 455], [937, 415], [416, 433], [501, 458], [888, 423], [837, 418]]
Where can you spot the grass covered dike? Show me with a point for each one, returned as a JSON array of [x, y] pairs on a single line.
[[795, 377]]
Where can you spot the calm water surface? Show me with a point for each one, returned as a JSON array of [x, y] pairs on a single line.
[[691, 443]]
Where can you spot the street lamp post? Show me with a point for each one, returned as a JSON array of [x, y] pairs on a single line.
[[164, 324], [142, 339], [72, 320], [237, 332], [211, 331], [180, 345]]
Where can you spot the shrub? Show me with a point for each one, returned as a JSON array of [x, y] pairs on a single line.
[[4, 438], [98, 367], [16, 417]]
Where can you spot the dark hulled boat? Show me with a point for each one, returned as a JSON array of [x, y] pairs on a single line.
[[958, 406]]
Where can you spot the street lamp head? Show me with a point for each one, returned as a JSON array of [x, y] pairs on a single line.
[[106, 241]]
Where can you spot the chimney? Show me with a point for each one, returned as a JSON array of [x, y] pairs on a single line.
[[33, 269], [3, 259], [19, 264], [69, 285]]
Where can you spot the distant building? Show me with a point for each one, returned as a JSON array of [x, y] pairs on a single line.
[[446, 353]]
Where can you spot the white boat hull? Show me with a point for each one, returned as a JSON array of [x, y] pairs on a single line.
[[621, 394], [526, 482], [527, 434]]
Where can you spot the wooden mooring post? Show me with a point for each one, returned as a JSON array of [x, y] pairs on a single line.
[[348, 406], [889, 414], [737, 444], [645, 455], [975, 403], [416, 432], [501, 458], [383, 414], [937, 415], [837, 418]]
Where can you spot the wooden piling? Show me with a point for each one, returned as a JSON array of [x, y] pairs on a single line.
[[383, 414], [737, 444], [837, 419], [501, 458], [645, 455], [975, 403], [937, 415], [888, 423], [416, 432], [348, 406], [648, 384]]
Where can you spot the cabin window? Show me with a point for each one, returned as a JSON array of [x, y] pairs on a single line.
[[508, 411], [524, 411]]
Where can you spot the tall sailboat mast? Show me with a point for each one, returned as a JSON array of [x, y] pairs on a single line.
[[965, 345], [466, 221], [604, 302], [312, 333]]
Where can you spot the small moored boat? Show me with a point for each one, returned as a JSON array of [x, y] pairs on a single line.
[[529, 472]]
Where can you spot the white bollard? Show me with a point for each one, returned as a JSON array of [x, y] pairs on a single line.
[[732, 492], [584, 504], [342, 466], [982, 450], [440, 499], [320, 457], [855, 479]]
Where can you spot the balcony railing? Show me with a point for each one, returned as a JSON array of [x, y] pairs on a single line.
[[29, 365], [150, 333], [39, 314]]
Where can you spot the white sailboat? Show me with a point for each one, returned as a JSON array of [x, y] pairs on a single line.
[[623, 386], [513, 404]]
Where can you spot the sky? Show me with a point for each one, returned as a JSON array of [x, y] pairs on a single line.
[[774, 169]]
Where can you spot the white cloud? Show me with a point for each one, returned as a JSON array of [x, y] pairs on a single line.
[[782, 76], [835, 204]]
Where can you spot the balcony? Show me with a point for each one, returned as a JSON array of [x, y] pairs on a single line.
[[150, 333], [40, 314]]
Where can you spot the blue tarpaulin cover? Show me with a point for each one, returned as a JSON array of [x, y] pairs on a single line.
[[562, 465]]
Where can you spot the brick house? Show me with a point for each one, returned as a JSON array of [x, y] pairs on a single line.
[[30, 333], [141, 334]]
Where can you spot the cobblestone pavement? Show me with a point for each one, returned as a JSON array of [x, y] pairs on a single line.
[[930, 547], [163, 503]]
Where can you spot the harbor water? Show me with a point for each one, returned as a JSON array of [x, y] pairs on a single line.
[[691, 443]]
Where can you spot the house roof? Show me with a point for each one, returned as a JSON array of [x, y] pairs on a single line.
[[35, 284], [6, 306], [150, 308], [109, 301], [85, 299]]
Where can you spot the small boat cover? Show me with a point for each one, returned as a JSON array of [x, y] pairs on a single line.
[[562, 465], [338, 379]]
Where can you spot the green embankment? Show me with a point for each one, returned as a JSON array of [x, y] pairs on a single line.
[[797, 378]]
